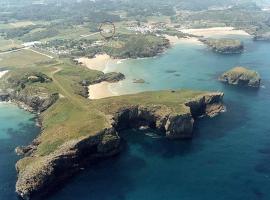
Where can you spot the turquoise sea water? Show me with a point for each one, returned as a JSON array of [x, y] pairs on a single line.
[[228, 158], [17, 127]]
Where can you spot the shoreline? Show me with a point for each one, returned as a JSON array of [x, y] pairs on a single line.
[[101, 90], [174, 40], [215, 31], [101, 61]]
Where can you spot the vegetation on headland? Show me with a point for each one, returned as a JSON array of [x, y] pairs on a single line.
[[74, 127], [225, 46], [241, 76], [67, 118]]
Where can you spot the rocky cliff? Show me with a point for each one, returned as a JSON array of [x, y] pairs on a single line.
[[43, 174]]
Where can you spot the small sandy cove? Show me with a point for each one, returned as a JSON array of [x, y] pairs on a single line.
[[99, 62], [175, 40], [101, 90]]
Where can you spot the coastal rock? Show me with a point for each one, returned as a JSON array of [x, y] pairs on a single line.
[[224, 46], [111, 77], [241, 76], [37, 102], [4, 96], [174, 125], [39, 178]]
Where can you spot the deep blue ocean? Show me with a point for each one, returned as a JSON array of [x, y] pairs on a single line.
[[228, 158]]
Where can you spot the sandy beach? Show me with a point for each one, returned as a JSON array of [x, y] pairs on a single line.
[[100, 90], [216, 31], [98, 63], [175, 40], [2, 73]]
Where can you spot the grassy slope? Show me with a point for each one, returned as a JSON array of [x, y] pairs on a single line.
[[72, 116]]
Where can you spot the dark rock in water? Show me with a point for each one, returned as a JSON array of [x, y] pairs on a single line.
[[138, 81], [224, 46], [170, 71], [4, 96], [241, 76]]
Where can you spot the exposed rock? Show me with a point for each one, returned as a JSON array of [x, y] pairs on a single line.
[[35, 103], [241, 76], [111, 77], [24, 150], [224, 46], [175, 125], [4, 96], [41, 176]]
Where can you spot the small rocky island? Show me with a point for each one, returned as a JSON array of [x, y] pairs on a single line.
[[224, 46], [241, 76]]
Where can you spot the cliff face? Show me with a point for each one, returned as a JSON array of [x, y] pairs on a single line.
[[34, 103], [42, 175]]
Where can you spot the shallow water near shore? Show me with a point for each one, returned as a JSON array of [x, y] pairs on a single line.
[[17, 127], [228, 158]]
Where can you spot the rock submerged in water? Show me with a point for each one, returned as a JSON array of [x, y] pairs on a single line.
[[241, 76], [224, 46]]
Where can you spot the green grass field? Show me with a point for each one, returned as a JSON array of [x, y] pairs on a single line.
[[21, 59]]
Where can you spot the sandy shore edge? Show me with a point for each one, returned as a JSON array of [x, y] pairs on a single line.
[[215, 31], [101, 61]]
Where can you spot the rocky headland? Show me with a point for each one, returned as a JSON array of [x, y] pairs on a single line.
[[77, 132], [241, 76], [38, 175], [224, 46]]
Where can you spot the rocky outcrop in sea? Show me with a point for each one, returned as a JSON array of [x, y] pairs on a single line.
[[241, 76]]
